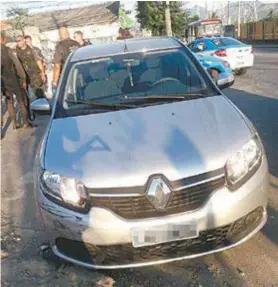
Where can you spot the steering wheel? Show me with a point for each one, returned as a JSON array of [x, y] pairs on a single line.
[[164, 80]]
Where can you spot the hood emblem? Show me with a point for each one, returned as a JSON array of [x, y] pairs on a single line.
[[158, 193]]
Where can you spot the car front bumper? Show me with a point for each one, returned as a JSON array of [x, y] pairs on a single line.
[[106, 237], [225, 79]]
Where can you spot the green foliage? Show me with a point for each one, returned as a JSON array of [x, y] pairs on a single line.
[[125, 21], [19, 18], [272, 15], [194, 18], [213, 15], [151, 16]]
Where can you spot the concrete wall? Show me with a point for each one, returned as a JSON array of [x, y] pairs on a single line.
[[96, 33], [93, 32]]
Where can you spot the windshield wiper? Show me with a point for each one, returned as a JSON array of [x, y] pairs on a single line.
[[166, 98], [102, 105]]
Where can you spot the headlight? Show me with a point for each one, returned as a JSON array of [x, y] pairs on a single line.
[[243, 163], [65, 190], [226, 64]]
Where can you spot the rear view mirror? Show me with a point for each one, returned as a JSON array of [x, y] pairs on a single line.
[[225, 80], [41, 106]]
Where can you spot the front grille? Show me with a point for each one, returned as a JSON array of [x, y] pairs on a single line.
[[182, 200], [121, 254]]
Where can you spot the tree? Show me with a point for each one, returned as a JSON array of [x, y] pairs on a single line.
[[19, 18], [213, 15], [194, 18], [151, 16], [125, 21], [271, 15]]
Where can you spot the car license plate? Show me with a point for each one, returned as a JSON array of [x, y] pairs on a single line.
[[239, 60], [152, 235]]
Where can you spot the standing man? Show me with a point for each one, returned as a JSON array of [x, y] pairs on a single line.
[[32, 65], [10, 85], [78, 37], [28, 41], [62, 51]]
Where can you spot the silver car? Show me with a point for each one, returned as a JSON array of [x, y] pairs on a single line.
[[144, 160]]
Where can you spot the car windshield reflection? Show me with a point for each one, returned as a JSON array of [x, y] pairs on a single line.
[[164, 73]]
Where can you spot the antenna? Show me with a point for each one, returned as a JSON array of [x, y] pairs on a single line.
[[126, 48]]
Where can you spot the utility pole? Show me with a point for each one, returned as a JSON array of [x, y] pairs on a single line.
[[229, 16], [244, 12], [238, 20], [168, 19], [255, 10]]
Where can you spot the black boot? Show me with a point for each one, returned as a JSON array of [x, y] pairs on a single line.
[[27, 125], [15, 125]]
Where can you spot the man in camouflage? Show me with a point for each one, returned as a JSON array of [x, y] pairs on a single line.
[[28, 41], [11, 71], [32, 65]]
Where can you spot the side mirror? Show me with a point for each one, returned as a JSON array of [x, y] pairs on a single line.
[[41, 106], [225, 80]]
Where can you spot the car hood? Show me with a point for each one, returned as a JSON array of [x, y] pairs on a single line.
[[124, 148]]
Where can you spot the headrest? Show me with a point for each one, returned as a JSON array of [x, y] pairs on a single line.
[[152, 62], [99, 71]]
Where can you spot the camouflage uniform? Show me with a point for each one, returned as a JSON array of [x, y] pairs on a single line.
[[11, 71], [28, 59]]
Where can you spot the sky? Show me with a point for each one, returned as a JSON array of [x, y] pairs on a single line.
[[41, 6]]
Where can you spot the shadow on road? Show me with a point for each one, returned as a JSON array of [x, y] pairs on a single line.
[[271, 225], [6, 119], [263, 113], [210, 270]]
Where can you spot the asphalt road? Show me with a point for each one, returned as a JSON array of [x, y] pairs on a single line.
[[255, 263]]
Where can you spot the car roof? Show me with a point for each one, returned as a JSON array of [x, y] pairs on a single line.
[[124, 46], [214, 38]]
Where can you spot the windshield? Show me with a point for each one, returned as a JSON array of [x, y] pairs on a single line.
[[210, 29], [110, 80], [226, 42]]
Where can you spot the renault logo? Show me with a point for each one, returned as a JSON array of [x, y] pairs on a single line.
[[158, 192]]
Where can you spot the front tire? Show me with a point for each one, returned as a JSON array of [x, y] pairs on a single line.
[[240, 72]]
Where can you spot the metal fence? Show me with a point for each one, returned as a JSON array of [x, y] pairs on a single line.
[[262, 30], [266, 31]]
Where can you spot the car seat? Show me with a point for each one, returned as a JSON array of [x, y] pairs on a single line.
[[101, 85], [153, 72]]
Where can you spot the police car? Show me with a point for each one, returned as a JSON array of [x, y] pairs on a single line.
[[239, 56]]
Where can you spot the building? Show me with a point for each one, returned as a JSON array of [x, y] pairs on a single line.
[[99, 22]]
